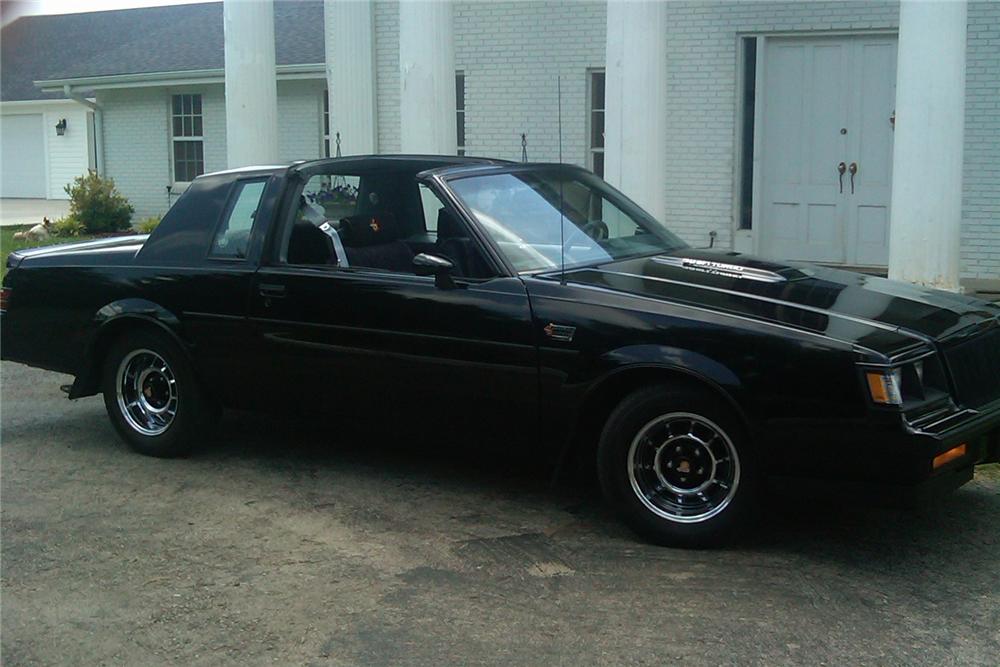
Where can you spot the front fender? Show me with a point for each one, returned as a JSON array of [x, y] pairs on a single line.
[[695, 364], [109, 322], [648, 359]]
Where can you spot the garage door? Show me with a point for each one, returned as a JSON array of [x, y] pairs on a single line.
[[22, 156]]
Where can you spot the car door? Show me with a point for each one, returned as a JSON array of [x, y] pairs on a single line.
[[387, 345], [201, 273]]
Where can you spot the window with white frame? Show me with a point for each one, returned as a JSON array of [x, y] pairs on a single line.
[[187, 137], [460, 110], [326, 123], [595, 122]]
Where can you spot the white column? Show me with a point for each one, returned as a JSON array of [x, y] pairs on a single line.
[[427, 77], [635, 125], [251, 83], [926, 219], [350, 75]]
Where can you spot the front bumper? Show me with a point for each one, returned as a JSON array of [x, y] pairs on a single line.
[[885, 460], [978, 430]]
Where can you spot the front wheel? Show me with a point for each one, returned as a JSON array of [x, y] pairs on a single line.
[[678, 467], [152, 395]]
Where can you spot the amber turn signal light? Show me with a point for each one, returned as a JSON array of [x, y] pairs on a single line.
[[884, 387], [950, 455]]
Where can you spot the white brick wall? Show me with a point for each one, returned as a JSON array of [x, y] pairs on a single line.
[[300, 119], [512, 53], [137, 135], [387, 75], [136, 141], [213, 109], [981, 203]]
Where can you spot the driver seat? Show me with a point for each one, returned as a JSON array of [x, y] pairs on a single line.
[[453, 243]]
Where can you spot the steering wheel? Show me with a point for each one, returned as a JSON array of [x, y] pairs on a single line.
[[595, 230]]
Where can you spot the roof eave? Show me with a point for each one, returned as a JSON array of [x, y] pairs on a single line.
[[172, 78]]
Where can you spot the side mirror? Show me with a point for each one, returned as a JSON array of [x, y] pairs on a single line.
[[441, 268]]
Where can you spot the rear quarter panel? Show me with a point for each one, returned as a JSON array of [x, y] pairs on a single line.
[[57, 312]]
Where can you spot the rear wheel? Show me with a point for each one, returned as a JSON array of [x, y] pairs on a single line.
[[677, 466], [152, 396]]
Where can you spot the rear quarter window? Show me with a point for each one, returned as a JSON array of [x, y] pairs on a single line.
[[233, 235]]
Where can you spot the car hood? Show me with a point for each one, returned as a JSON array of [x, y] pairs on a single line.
[[851, 306]]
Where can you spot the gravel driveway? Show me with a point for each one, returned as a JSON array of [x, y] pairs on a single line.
[[279, 544]]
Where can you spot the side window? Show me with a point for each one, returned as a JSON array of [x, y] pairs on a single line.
[[431, 204], [331, 197], [233, 236]]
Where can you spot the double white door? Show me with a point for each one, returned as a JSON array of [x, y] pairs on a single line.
[[826, 149]]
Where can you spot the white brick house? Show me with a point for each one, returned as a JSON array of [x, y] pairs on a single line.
[[138, 135], [724, 64]]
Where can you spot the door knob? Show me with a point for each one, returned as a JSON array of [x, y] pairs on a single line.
[[841, 168], [853, 169]]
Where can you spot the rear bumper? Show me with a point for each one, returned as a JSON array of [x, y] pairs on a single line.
[[23, 347]]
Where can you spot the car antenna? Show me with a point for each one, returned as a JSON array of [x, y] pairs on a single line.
[[562, 220]]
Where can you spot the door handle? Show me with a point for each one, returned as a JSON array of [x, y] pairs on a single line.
[[272, 291], [841, 168], [853, 169]]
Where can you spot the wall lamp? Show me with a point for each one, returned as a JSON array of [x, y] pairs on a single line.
[[61, 127]]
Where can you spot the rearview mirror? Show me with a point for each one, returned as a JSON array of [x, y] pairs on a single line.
[[426, 264]]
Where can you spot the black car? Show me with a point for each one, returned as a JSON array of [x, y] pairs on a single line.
[[530, 303]]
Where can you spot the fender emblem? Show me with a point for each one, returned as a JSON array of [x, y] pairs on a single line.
[[559, 332]]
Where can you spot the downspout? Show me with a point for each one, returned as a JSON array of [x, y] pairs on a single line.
[[98, 126]]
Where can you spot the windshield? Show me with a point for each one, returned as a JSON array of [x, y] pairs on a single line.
[[520, 210]]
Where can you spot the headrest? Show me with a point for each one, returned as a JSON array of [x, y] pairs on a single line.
[[309, 245], [448, 227], [364, 230]]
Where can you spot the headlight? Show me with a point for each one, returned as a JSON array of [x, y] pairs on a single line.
[[915, 382], [885, 387]]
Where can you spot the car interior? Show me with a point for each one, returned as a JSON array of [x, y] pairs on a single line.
[[379, 221]]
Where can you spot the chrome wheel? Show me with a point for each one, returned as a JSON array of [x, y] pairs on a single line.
[[147, 392], [683, 467]]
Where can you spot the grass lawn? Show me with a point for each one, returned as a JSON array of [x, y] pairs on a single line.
[[7, 243]]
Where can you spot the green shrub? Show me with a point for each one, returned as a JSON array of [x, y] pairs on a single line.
[[98, 205], [147, 225], [68, 226]]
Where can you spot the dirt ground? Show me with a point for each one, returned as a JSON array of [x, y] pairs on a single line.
[[278, 544]]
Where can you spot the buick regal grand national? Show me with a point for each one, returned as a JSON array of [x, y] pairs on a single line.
[[531, 303]]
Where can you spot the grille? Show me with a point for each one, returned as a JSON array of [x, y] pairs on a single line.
[[975, 367]]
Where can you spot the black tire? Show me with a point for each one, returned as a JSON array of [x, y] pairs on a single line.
[[659, 499], [184, 418]]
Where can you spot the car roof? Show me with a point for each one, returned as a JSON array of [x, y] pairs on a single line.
[[445, 165], [496, 166], [415, 163]]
